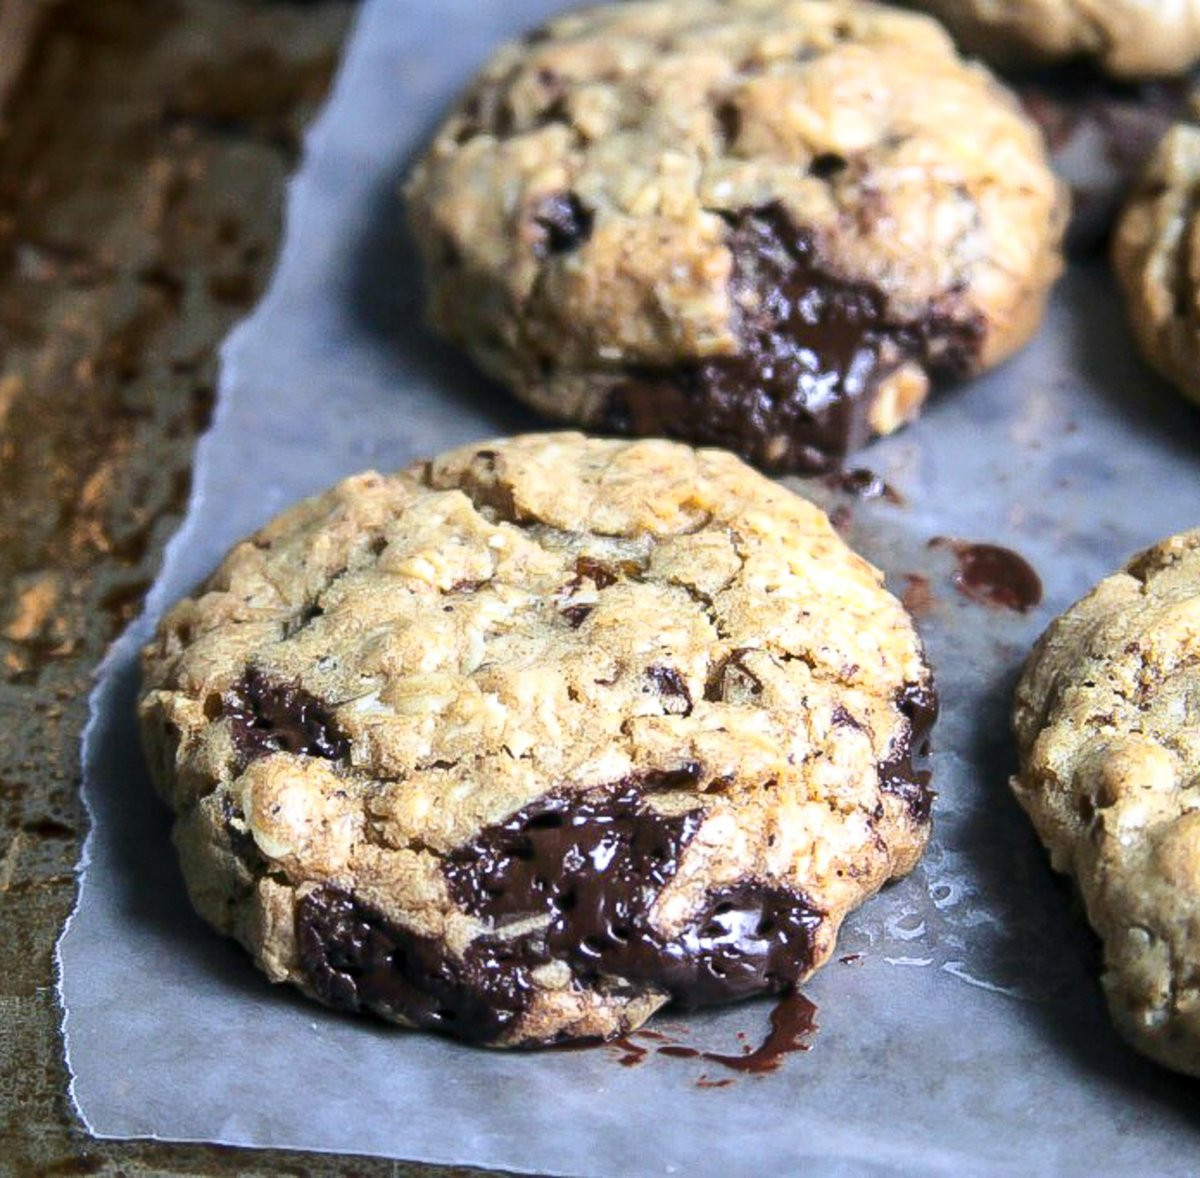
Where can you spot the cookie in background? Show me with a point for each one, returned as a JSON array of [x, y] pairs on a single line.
[[772, 228]]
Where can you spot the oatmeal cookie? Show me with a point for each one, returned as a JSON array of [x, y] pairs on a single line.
[[764, 226], [1124, 38], [1107, 719], [1156, 253], [527, 741]]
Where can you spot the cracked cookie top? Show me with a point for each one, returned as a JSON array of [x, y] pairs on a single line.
[[765, 226], [568, 727], [1107, 718]]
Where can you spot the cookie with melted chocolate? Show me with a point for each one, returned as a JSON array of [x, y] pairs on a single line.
[[528, 741], [768, 228]]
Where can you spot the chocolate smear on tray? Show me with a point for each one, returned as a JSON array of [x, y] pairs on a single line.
[[992, 575], [793, 1018]]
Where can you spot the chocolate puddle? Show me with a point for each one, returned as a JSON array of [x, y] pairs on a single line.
[[992, 575], [792, 1019]]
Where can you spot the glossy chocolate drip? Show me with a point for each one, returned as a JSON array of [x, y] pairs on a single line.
[[596, 864], [814, 349], [356, 959], [864, 484], [267, 717], [592, 865], [904, 773], [993, 576], [791, 1020]]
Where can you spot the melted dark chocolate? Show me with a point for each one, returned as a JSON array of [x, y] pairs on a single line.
[[356, 959], [678, 1051], [814, 348], [567, 224], [267, 717], [632, 1053], [670, 685], [593, 864], [791, 1020], [903, 773], [993, 576], [596, 863], [864, 484]]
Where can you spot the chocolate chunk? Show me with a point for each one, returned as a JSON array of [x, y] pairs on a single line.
[[567, 223], [686, 775], [546, 858], [593, 865], [903, 772], [596, 863], [752, 939], [814, 349], [826, 165], [266, 717], [601, 574], [354, 958], [576, 615], [670, 684]]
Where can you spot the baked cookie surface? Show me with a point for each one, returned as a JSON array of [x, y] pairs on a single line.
[[1156, 254], [765, 226], [525, 742], [1125, 38], [1107, 718]]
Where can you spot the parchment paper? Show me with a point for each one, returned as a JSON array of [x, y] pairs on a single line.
[[968, 1037]]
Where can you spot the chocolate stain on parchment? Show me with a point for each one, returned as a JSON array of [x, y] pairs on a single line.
[[991, 575]]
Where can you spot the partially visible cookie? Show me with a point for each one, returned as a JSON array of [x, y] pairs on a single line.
[[1100, 134], [1156, 252], [1107, 719], [527, 741], [1125, 38], [762, 226]]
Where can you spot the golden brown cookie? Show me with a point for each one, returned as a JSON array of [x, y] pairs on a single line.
[[765, 226], [1107, 719], [527, 741], [1125, 38], [1156, 252]]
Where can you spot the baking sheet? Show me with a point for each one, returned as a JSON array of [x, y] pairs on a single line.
[[965, 1032]]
